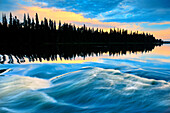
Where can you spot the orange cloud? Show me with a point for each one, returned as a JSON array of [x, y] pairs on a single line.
[[71, 17], [162, 34], [161, 23]]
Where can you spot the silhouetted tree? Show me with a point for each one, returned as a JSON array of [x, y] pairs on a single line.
[[51, 24], [15, 22], [18, 24], [10, 20], [4, 20], [25, 21], [29, 21], [59, 27], [37, 21], [46, 23], [54, 25], [42, 24], [32, 24]]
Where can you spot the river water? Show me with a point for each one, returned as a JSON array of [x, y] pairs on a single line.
[[134, 83]]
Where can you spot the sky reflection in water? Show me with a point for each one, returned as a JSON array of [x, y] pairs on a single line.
[[159, 53]]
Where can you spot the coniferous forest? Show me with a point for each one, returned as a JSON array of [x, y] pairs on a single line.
[[33, 31]]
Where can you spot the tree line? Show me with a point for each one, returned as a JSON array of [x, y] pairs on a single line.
[[34, 31]]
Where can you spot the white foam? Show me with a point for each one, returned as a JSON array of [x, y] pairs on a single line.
[[48, 98], [126, 81], [15, 84]]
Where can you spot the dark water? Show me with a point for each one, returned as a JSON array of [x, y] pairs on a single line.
[[100, 84]]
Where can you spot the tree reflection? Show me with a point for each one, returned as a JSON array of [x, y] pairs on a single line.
[[10, 54]]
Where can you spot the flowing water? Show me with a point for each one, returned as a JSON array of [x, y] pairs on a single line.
[[134, 83]]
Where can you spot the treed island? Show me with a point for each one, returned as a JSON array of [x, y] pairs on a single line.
[[37, 40], [33, 31]]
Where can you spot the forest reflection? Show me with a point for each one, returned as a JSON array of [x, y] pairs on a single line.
[[9, 54]]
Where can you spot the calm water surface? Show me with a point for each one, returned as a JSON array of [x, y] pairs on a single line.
[[134, 83]]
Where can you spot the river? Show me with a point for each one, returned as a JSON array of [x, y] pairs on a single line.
[[136, 82]]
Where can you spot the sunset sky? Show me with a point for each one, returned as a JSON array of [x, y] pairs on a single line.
[[144, 15]]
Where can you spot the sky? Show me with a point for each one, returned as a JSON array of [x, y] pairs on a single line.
[[151, 16]]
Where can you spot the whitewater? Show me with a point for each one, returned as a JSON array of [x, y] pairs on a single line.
[[110, 86]]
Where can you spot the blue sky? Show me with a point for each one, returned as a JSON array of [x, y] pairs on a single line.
[[122, 11], [117, 10], [105, 10]]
